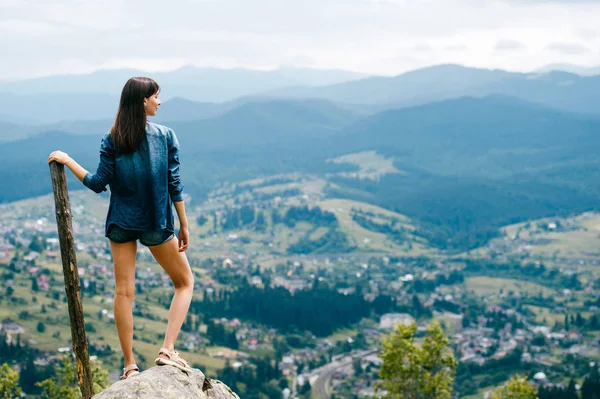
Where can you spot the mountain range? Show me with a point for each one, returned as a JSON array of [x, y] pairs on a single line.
[[471, 164], [478, 148], [196, 93]]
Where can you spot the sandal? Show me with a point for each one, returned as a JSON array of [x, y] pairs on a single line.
[[174, 359], [130, 371]]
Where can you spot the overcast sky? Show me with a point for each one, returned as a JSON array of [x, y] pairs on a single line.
[[44, 37]]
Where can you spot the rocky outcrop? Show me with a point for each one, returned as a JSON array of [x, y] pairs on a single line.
[[165, 382]]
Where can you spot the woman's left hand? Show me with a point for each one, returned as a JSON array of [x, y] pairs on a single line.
[[59, 156], [184, 239]]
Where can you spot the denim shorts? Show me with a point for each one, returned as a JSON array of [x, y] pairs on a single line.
[[148, 238]]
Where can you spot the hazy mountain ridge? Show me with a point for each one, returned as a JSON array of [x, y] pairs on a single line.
[[558, 90], [194, 83], [471, 164], [211, 92]]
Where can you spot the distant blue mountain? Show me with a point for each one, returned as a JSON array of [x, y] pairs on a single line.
[[472, 164], [576, 69], [560, 90], [193, 83]]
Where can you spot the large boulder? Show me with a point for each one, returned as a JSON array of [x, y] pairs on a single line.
[[166, 382]]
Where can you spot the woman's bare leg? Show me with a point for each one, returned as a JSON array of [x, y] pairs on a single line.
[[177, 267], [124, 270]]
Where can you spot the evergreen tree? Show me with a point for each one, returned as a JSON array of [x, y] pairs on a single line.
[[590, 389], [247, 214], [579, 321], [34, 285], [28, 376], [356, 366], [201, 220], [571, 392], [260, 223], [37, 244]]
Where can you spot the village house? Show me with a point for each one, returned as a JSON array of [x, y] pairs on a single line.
[[10, 327], [391, 320]]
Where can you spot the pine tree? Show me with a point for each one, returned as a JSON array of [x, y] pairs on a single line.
[[571, 392], [590, 389], [260, 223]]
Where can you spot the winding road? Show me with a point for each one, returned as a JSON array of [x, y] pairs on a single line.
[[324, 373]]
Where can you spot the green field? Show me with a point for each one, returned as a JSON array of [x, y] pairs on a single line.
[[576, 237], [371, 241], [545, 314], [493, 286], [371, 165]]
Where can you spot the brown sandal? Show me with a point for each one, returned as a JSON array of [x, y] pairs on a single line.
[[174, 359], [130, 371]]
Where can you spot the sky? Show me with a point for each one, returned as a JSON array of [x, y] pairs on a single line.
[[381, 37]]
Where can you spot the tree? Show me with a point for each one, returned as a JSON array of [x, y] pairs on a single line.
[[357, 366], [63, 385], [304, 390], [201, 220], [37, 244], [261, 222], [516, 388], [34, 285], [412, 371], [9, 383], [41, 327], [591, 385], [100, 377]]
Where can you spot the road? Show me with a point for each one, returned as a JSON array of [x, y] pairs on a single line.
[[324, 373]]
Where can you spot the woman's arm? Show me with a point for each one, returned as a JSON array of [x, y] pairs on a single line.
[[96, 182], [175, 184], [184, 234], [63, 158], [176, 190]]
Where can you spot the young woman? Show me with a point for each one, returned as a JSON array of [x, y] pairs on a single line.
[[139, 160]]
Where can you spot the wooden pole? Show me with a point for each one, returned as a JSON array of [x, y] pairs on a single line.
[[72, 287]]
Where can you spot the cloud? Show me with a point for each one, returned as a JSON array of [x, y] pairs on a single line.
[[68, 36], [456, 47], [568, 48], [567, 2], [508, 45]]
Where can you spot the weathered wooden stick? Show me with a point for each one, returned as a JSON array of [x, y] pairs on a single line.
[[72, 287]]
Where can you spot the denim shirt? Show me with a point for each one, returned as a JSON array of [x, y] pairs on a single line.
[[143, 184]]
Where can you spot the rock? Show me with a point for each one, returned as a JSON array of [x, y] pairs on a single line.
[[166, 382]]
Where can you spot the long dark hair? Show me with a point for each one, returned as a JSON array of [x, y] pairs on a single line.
[[130, 124]]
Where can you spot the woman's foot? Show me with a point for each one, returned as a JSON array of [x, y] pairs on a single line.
[[172, 358], [130, 371]]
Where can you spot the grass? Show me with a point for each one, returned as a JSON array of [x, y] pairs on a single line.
[[577, 238], [546, 314], [493, 286], [371, 165], [341, 335], [368, 240]]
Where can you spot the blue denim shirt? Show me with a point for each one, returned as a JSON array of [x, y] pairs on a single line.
[[143, 184]]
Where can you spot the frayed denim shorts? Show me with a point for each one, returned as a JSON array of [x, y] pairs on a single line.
[[148, 238]]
